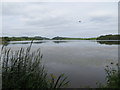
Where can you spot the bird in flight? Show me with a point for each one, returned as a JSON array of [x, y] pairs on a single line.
[[79, 21]]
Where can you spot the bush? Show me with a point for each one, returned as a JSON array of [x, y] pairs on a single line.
[[112, 76]]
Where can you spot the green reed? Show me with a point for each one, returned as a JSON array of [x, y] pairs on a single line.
[[112, 76], [23, 69]]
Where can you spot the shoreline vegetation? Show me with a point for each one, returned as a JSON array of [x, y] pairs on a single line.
[[108, 38], [102, 37], [24, 69]]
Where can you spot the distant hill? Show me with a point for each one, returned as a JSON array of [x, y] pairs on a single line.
[[58, 38], [109, 37], [68, 38]]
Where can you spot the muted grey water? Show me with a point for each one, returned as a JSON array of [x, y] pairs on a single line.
[[82, 61]]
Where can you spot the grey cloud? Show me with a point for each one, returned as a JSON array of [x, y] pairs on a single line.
[[51, 22], [9, 9], [102, 19], [51, 19], [15, 8]]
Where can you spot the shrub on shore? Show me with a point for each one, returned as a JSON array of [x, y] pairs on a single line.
[[112, 76]]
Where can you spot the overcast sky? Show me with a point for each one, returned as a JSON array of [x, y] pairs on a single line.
[[52, 19]]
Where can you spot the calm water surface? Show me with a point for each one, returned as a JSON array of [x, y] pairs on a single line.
[[82, 61]]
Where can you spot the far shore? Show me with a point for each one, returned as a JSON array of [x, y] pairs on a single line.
[[110, 37]]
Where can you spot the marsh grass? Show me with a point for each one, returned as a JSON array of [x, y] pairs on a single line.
[[23, 69]]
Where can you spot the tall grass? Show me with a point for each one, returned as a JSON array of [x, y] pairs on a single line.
[[23, 69], [112, 76]]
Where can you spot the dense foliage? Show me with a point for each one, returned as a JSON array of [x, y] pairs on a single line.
[[109, 37]]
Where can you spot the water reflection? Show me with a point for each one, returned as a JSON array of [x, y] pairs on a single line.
[[60, 42], [35, 42], [39, 42], [109, 42], [28, 42], [5, 44]]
